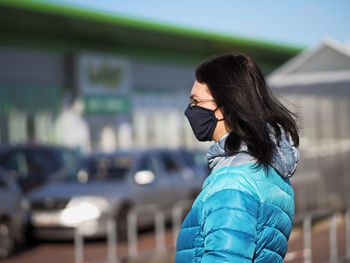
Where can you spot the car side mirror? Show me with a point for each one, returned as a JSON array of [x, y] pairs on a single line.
[[144, 177]]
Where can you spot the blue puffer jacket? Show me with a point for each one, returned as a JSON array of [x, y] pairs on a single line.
[[241, 214]]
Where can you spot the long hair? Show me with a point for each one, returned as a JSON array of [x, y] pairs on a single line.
[[240, 90]]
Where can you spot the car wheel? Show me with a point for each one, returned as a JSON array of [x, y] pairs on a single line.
[[122, 222], [6, 240]]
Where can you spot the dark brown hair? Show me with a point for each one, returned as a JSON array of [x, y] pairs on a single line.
[[240, 89]]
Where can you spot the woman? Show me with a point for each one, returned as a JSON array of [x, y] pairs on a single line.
[[245, 210]]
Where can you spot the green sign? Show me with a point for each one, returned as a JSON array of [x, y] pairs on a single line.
[[95, 104]]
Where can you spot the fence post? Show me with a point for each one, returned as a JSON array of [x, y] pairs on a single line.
[[160, 231], [176, 221], [132, 233], [333, 247], [347, 229], [78, 244], [307, 239], [111, 239]]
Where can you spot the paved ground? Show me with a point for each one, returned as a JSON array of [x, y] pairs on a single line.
[[95, 251]]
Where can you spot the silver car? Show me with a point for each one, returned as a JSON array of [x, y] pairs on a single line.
[[102, 184], [13, 211]]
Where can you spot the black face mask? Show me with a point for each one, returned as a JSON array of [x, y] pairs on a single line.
[[202, 121]]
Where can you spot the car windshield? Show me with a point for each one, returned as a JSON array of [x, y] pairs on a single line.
[[99, 169]]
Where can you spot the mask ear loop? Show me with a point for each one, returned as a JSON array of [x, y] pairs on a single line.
[[219, 119]]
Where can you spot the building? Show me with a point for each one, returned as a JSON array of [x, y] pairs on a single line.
[[119, 82], [316, 85]]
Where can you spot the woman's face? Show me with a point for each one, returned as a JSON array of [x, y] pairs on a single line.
[[202, 97], [201, 93]]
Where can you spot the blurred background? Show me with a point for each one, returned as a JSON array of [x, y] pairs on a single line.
[[92, 95]]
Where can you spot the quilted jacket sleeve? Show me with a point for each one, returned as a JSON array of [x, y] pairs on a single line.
[[229, 225]]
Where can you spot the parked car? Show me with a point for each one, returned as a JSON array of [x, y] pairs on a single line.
[[13, 211], [104, 184], [197, 160], [32, 165]]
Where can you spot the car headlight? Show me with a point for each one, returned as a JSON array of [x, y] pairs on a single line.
[[82, 209]]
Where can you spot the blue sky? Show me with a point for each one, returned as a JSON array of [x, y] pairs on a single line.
[[297, 22]]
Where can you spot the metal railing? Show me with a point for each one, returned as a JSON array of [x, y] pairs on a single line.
[[159, 222], [176, 216], [111, 241], [331, 216], [132, 230]]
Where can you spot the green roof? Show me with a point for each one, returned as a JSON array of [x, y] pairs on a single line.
[[80, 27]]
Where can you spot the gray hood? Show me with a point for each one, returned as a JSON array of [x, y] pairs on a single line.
[[285, 157]]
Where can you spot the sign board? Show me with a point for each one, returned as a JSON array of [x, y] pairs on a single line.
[[103, 74], [99, 104]]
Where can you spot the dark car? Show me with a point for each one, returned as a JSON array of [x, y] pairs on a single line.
[[13, 211], [32, 165], [197, 160]]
